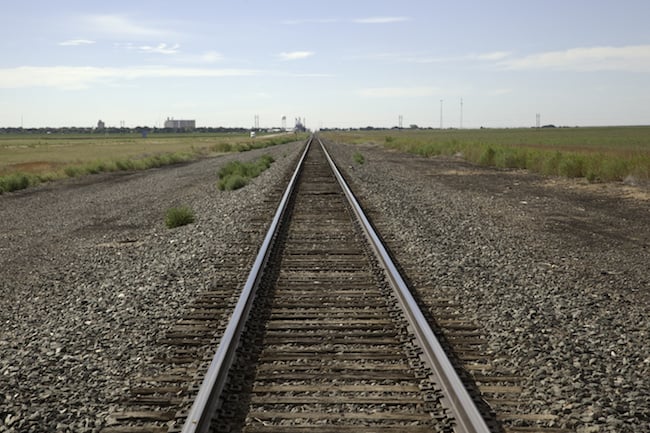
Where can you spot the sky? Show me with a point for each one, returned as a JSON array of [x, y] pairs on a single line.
[[333, 63]]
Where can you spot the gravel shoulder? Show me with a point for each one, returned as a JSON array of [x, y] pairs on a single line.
[[555, 272], [90, 278]]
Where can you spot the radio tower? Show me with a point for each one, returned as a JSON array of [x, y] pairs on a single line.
[[400, 120]]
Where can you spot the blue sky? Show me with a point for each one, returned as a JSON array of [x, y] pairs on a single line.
[[334, 63]]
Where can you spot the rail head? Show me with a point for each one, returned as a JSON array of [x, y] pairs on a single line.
[[207, 399], [465, 412]]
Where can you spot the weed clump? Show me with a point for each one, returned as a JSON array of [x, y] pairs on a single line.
[[358, 158], [178, 216], [487, 157], [237, 174], [232, 182], [14, 182]]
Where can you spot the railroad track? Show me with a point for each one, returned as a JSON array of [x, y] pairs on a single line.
[[333, 340]]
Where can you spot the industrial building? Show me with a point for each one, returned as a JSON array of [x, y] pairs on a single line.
[[185, 125]]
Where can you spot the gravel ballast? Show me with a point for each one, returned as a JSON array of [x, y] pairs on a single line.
[[557, 277], [90, 278]]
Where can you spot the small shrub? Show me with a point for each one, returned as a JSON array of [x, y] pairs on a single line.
[[616, 169], [487, 157], [572, 166], [222, 148], [72, 171], [244, 147], [237, 174], [95, 167], [178, 216], [44, 177], [551, 165], [233, 167], [14, 182], [232, 182], [266, 160], [124, 164], [263, 163], [511, 158]]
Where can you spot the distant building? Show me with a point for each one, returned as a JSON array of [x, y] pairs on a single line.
[[101, 125], [185, 125], [299, 125]]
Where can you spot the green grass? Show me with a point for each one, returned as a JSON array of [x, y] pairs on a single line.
[[19, 180], [178, 216], [237, 174], [14, 182], [358, 158], [597, 154], [257, 143], [29, 159]]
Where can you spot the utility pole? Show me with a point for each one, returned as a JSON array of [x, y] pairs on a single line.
[[400, 120], [441, 114], [461, 113]]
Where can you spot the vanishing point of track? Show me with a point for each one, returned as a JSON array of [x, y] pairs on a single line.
[[325, 336]]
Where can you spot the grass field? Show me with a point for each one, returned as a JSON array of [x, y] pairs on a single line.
[[597, 154], [29, 159]]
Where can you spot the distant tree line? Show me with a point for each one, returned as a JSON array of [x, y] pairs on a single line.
[[114, 130], [376, 128]]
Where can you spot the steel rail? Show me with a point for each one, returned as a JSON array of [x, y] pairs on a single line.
[[466, 414], [208, 397]]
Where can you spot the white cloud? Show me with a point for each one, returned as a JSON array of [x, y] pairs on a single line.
[[633, 58], [211, 57], [366, 20], [426, 58], [300, 74], [82, 77], [205, 58], [398, 92], [498, 92], [76, 42], [380, 20], [122, 27], [312, 21], [295, 55], [402, 57], [159, 49], [496, 55]]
